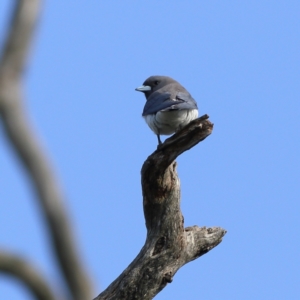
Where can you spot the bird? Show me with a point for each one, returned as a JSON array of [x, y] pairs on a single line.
[[169, 106]]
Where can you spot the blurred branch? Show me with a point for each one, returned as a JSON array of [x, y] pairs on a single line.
[[19, 38], [23, 271], [169, 245], [22, 137]]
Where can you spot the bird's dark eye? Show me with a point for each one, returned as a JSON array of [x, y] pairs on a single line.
[[156, 82]]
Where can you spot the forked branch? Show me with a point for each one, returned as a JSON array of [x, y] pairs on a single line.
[[169, 245]]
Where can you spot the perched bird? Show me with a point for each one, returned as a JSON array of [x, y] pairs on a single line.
[[169, 105]]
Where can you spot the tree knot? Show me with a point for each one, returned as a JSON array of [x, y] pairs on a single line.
[[168, 278], [159, 245]]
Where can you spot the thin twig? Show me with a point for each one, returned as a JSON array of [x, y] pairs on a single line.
[[27, 274]]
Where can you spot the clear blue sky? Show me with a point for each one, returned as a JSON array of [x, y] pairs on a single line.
[[240, 61]]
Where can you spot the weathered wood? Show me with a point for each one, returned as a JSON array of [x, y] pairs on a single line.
[[169, 245]]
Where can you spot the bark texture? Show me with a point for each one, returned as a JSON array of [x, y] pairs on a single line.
[[169, 245]]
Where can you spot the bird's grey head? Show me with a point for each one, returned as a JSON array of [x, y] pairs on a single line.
[[153, 83]]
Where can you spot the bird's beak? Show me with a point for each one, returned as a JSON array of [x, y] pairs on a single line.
[[143, 88]]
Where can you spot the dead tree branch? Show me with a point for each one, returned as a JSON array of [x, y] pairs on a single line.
[[20, 269], [23, 139], [169, 245]]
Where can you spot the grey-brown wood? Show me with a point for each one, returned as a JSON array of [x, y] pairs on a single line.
[[169, 245]]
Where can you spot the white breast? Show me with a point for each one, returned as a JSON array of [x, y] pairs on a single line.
[[168, 122]]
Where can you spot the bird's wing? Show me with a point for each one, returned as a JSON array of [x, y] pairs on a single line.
[[163, 101], [157, 102], [187, 101]]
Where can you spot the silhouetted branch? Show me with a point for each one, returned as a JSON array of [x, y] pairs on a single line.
[[20, 269], [23, 139], [169, 245]]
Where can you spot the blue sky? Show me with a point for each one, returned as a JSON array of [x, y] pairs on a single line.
[[240, 61]]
